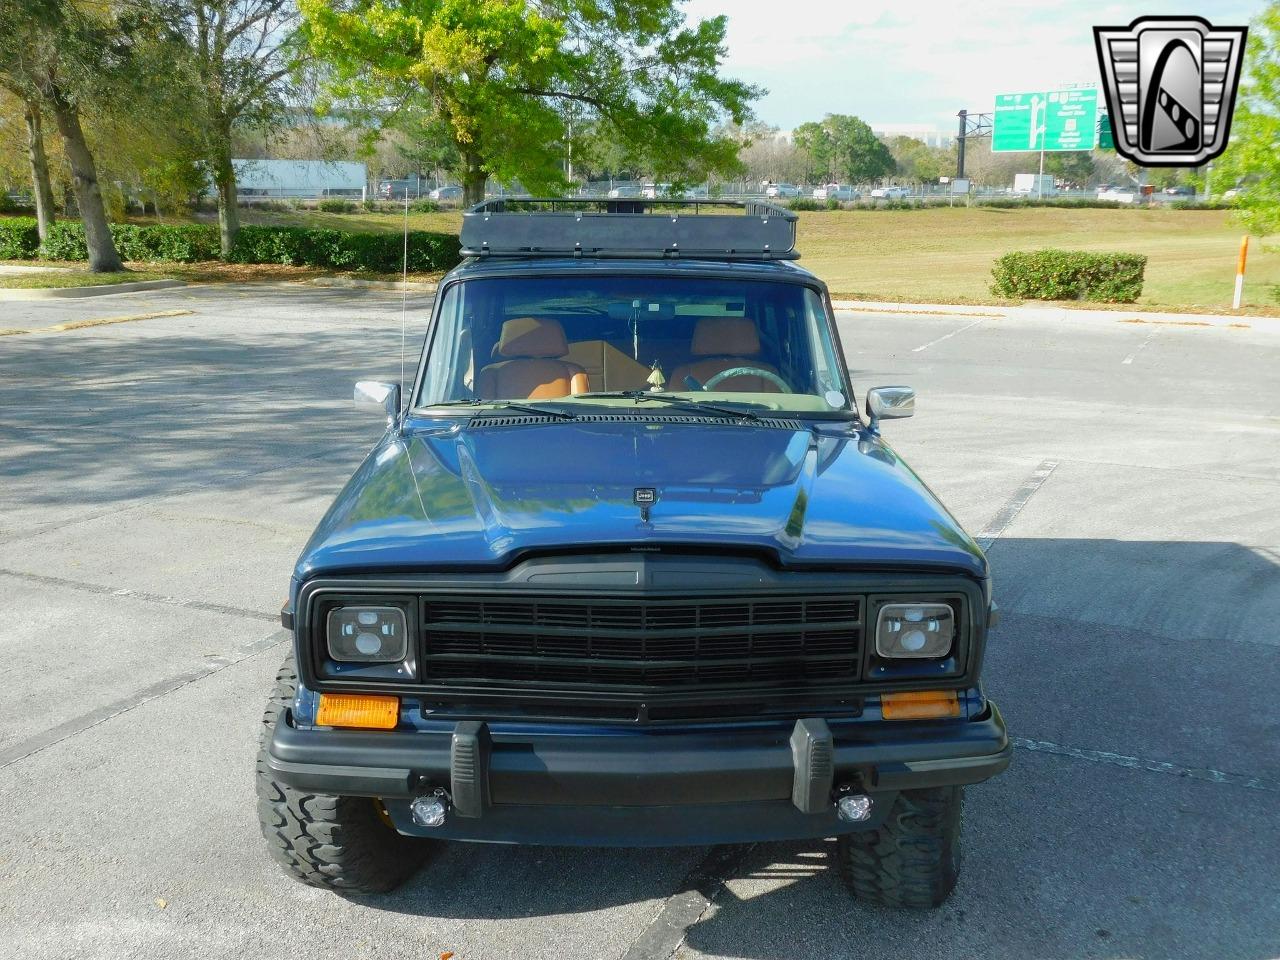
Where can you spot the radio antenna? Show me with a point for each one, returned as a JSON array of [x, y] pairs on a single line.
[[404, 293]]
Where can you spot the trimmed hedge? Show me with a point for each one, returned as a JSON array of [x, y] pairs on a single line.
[[379, 252], [18, 238], [1069, 275], [191, 243]]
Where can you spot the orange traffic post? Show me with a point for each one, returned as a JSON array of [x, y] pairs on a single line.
[[1244, 255]]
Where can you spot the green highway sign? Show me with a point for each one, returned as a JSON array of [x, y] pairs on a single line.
[[1106, 136], [1046, 120]]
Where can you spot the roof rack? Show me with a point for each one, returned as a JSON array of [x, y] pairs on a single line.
[[633, 229]]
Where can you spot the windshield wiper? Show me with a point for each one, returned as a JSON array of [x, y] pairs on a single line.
[[688, 403], [505, 405]]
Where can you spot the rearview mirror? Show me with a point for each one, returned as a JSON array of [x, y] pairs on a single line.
[[378, 395], [889, 403]]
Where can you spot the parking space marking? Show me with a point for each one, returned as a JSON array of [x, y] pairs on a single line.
[[1207, 774], [1013, 506], [967, 326], [125, 592], [77, 725], [1130, 358], [697, 891]]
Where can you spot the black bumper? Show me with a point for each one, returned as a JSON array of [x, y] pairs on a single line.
[[641, 787]]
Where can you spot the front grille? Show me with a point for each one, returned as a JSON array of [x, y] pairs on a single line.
[[634, 645]]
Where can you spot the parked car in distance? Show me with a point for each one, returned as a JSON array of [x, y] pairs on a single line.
[[781, 190], [1233, 193], [890, 193], [1113, 195], [401, 188], [624, 191], [654, 191], [448, 192], [1180, 190], [835, 191]]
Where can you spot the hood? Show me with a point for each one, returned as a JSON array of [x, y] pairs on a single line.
[[458, 495]]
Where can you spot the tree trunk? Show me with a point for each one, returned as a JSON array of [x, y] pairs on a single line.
[[224, 178], [473, 180], [41, 186], [103, 257]]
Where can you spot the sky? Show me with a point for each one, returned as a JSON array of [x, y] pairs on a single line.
[[921, 61]]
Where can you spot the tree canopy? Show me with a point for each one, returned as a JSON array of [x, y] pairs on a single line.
[[1253, 158], [844, 148], [508, 78]]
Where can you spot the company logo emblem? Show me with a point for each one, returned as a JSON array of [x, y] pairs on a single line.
[[645, 497], [1171, 87]]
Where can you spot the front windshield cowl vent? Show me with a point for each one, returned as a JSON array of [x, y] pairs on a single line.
[[486, 421]]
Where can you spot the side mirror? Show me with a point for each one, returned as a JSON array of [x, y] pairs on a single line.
[[380, 396], [889, 403]]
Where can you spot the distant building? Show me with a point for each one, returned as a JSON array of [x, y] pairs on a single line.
[[926, 133], [301, 178]]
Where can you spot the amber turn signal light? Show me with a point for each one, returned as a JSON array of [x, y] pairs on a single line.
[[920, 705], [365, 711]]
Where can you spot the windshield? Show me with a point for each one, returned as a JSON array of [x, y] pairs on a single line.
[[761, 343]]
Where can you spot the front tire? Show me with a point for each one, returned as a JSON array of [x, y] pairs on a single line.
[[337, 843], [913, 859]]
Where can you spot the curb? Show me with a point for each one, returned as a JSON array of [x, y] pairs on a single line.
[[425, 286], [1067, 315], [104, 290]]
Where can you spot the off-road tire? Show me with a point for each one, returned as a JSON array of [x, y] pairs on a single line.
[[913, 859], [338, 843]]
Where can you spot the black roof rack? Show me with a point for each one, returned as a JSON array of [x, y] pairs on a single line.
[[634, 229]]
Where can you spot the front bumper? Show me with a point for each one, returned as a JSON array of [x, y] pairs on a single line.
[[641, 787]]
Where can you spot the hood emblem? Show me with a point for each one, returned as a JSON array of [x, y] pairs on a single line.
[[645, 497]]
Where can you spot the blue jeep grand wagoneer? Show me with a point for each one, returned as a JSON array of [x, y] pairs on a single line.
[[630, 567]]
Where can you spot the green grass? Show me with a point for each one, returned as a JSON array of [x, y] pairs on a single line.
[[937, 255], [77, 277], [944, 255]]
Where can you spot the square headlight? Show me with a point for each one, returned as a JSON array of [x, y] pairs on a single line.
[[915, 630], [367, 634]]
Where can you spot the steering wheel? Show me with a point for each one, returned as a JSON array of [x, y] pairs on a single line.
[[748, 372]]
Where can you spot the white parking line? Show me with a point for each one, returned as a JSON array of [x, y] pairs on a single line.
[[948, 336], [1129, 359]]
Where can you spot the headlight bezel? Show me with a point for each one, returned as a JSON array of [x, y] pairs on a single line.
[[953, 664], [933, 616], [330, 667]]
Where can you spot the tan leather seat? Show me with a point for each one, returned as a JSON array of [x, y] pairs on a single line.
[[531, 368], [725, 343]]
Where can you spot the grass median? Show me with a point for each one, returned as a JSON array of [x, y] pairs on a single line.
[[935, 255], [944, 255]]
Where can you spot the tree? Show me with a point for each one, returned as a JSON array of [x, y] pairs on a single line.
[[501, 75], [51, 52], [844, 148], [1074, 167], [242, 55], [1253, 158], [920, 162], [769, 155]]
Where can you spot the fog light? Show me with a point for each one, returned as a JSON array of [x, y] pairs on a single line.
[[429, 811], [854, 807]]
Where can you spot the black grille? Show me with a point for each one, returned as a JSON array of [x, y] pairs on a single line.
[[625, 644]]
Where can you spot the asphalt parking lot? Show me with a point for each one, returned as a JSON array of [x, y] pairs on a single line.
[[158, 478]]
